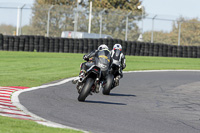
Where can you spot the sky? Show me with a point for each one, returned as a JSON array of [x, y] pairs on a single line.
[[186, 8], [17, 1], [170, 9], [167, 9]]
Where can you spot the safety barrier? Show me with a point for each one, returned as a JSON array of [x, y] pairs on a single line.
[[69, 45]]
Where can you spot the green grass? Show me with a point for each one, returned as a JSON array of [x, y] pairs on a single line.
[[10, 125], [33, 69], [161, 63]]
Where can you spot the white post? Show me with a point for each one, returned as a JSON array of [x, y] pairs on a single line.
[[48, 20], [142, 19], [19, 19], [179, 33], [100, 32], [90, 18], [141, 35], [141, 7], [126, 35], [100, 25], [152, 28], [76, 18]]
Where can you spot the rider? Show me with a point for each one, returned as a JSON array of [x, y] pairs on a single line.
[[118, 60], [90, 58]]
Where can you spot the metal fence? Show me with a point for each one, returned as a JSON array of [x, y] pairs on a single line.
[[52, 20]]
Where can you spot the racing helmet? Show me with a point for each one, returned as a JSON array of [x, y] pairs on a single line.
[[102, 46], [117, 46]]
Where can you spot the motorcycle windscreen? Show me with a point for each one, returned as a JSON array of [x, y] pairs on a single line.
[[103, 60]]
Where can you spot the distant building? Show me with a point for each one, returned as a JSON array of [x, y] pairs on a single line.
[[72, 34]]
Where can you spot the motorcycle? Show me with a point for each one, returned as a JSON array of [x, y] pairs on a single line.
[[112, 79], [115, 74], [96, 77]]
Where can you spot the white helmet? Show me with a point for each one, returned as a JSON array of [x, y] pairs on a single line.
[[102, 46], [117, 46]]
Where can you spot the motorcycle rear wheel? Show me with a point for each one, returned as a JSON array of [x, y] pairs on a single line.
[[109, 83], [86, 89]]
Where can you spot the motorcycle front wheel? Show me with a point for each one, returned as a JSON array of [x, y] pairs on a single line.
[[86, 89]]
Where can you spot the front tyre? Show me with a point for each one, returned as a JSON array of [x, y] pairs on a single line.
[[86, 90], [109, 83]]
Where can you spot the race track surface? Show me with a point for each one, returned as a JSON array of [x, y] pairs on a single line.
[[145, 102]]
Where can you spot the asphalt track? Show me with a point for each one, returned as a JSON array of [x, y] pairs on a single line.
[[144, 102]]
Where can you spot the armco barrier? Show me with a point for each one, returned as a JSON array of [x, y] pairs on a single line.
[[69, 45]]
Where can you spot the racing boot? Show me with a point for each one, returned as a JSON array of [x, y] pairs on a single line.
[[117, 80], [97, 88], [81, 75], [75, 80], [79, 78], [79, 87]]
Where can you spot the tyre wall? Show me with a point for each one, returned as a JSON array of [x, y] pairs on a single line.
[[69, 45]]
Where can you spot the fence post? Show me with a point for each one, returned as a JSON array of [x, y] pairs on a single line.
[[179, 33], [90, 18], [49, 20], [152, 28], [100, 14], [127, 26], [19, 19]]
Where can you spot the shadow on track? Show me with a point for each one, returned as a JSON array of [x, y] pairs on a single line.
[[103, 102], [122, 95]]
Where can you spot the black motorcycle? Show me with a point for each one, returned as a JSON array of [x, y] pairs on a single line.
[[112, 79], [96, 76]]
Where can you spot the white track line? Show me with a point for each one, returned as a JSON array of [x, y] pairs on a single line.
[[16, 102]]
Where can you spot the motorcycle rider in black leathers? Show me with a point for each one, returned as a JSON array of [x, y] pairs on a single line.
[[90, 58], [118, 59]]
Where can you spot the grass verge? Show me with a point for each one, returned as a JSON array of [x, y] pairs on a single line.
[[10, 125]]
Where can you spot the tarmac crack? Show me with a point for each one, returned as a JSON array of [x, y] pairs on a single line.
[[188, 125]]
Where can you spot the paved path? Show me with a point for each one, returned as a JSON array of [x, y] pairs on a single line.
[[146, 102]]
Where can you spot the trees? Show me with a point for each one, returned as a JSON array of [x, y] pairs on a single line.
[[189, 33], [7, 29], [114, 18], [63, 13], [58, 16]]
